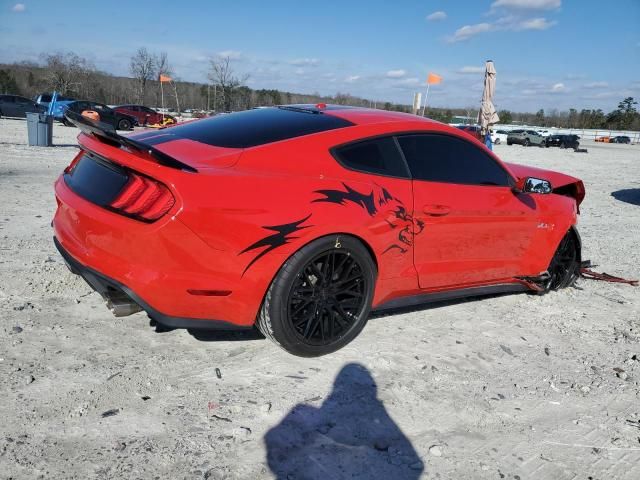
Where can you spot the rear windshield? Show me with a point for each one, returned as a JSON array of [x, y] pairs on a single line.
[[249, 128]]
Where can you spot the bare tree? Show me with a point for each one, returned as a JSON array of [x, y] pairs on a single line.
[[164, 68], [143, 68], [224, 79], [162, 64], [66, 72]]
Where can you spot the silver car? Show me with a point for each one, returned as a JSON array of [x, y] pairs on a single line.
[[525, 137]]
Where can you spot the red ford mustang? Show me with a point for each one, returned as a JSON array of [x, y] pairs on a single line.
[[301, 219]]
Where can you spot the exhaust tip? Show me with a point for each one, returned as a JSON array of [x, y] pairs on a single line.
[[122, 307]]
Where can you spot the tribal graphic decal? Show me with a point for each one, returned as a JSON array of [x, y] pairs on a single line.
[[378, 202], [349, 195], [278, 239]]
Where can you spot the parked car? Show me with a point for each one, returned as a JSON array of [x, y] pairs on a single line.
[[17, 106], [499, 136], [145, 115], [119, 121], [473, 130], [543, 133], [525, 137], [604, 139], [562, 141], [60, 104], [620, 139], [216, 224]]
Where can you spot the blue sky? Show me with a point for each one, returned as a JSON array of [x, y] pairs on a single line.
[[548, 53]]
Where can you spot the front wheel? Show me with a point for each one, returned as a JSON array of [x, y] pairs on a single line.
[[526, 142], [320, 299], [565, 264], [124, 124]]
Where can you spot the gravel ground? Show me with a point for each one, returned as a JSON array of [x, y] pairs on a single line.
[[515, 386]]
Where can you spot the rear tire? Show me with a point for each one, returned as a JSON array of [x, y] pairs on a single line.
[[124, 124], [565, 264], [321, 297]]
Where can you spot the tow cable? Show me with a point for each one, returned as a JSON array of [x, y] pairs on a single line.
[[586, 272]]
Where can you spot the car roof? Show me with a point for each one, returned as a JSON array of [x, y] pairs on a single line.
[[368, 116]]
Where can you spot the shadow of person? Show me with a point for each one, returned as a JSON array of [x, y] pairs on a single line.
[[628, 195], [349, 436]]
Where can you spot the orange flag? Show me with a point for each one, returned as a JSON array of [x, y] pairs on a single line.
[[165, 78], [434, 79]]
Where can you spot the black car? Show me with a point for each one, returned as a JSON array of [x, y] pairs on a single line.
[[17, 106], [119, 121], [563, 141], [620, 139]]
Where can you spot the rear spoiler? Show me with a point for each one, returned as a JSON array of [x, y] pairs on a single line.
[[108, 134]]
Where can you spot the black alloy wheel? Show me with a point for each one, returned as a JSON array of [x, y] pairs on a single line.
[[565, 264], [327, 296], [320, 299]]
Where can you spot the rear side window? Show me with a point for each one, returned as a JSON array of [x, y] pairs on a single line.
[[249, 128], [448, 159], [378, 156]]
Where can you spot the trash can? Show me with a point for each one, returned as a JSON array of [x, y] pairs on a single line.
[[40, 129]]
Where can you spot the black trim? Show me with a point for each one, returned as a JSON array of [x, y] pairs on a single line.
[[474, 144], [108, 133], [335, 153], [106, 287], [426, 298], [395, 135]]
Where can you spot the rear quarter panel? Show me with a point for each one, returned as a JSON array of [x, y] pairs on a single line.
[[297, 186]]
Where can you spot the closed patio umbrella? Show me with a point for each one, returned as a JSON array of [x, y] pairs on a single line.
[[487, 114]]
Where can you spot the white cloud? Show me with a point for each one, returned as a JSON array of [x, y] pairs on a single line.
[[532, 24], [558, 88], [19, 7], [396, 73], [468, 31], [437, 16], [513, 23], [471, 70], [231, 54], [305, 62], [596, 85], [352, 78], [527, 4], [408, 83]]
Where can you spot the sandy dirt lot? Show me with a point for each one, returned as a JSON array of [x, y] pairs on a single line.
[[514, 387]]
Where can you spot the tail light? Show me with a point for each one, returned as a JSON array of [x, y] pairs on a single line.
[[143, 198]]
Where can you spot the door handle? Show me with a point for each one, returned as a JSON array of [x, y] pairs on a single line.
[[436, 210]]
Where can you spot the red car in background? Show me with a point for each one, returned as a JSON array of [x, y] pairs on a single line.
[[474, 130], [145, 115], [300, 219]]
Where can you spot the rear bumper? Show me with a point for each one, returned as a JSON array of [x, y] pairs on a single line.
[[112, 290], [162, 263]]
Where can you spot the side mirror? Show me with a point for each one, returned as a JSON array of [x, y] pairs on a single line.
[[533, 185]]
